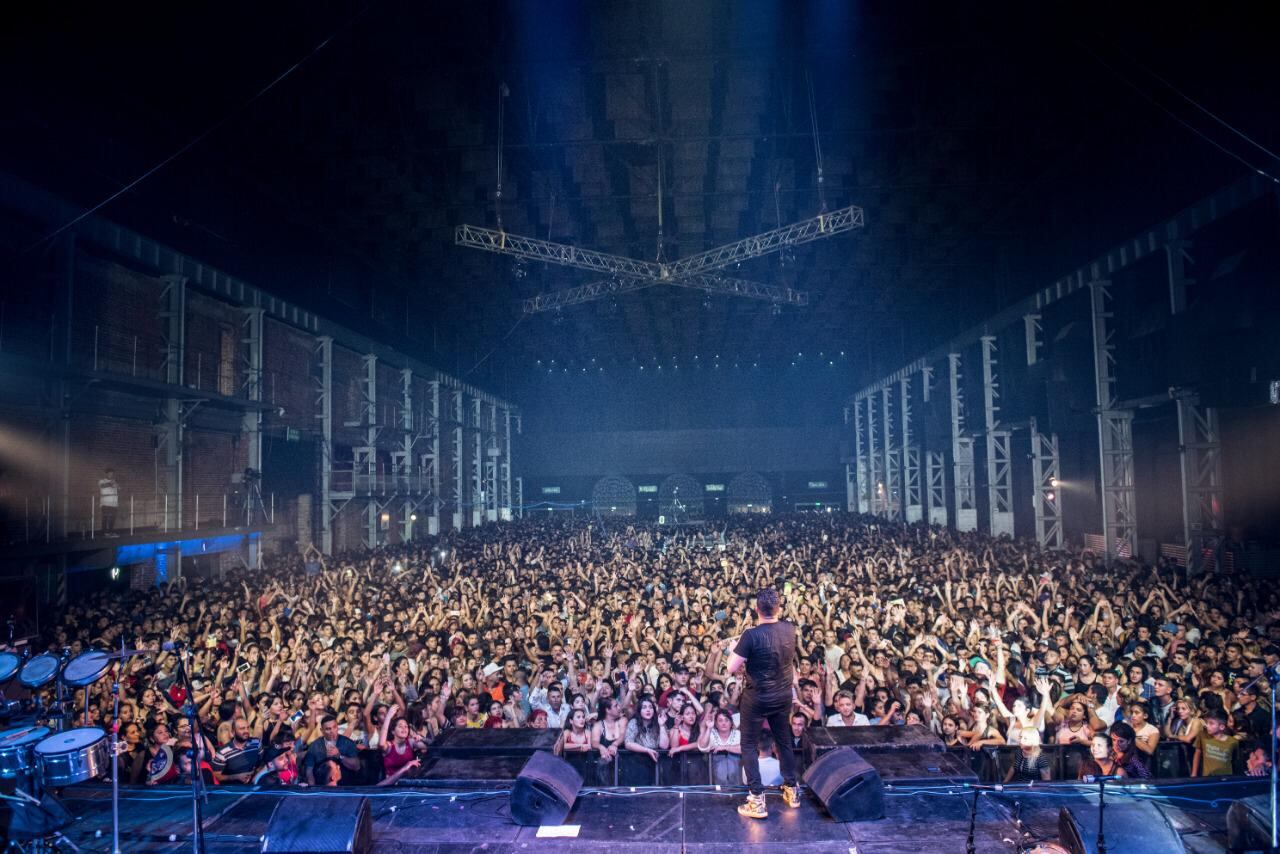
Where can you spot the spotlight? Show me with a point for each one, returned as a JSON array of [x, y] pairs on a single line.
[[413, 517], [386, 517], [519, 269], [1050, 495], [1053, 482], [115, 573], [777, 309]]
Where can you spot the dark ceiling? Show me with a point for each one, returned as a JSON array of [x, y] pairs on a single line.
[[993, 146]]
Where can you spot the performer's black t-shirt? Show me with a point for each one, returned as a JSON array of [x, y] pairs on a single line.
[[770, 649]]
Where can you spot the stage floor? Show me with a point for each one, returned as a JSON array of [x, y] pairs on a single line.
[[427, 821]]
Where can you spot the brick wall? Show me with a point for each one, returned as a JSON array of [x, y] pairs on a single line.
[[123, 306], [288, 357]]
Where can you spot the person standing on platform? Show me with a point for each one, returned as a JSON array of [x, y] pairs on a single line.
[[109, 499], [767, 652]]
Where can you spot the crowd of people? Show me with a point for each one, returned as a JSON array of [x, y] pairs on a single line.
[[344, 670]]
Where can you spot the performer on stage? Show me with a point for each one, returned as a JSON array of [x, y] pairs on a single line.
[[767, 653]]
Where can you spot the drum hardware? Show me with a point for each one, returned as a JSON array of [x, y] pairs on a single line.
[[38, 821], [115, 761], [192, 714]]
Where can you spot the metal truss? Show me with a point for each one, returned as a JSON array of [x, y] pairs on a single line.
[[172, 429], [1178, 255], [251, 421], [814, 228], [477, 464], [961, 453], [493, 455], [860, 458], [430, 461], [875, 462], [1045, 495], [722, 285], [1034, 331], [331, 502], [556, 300], [1200, 449], [892, 486], [912, 503], [1115, 434], [534, 249], [365, 457], [629, 274], [999, 457], [455, 498], [936, 495]]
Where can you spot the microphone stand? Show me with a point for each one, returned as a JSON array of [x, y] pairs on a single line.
[[1272, 678], [1102, 806], [973, 822], [197, 749], [115, 753]]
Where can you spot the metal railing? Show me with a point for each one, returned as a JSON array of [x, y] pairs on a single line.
[[992, 764], [41, 519]]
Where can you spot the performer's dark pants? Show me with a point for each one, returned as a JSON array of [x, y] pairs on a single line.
[[752, 714]]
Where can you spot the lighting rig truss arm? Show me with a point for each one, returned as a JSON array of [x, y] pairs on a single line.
[[743, 288], [815, 228], [624, 284], [584, 293], [505, 243]]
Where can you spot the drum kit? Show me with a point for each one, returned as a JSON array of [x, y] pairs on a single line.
[[49, 753]]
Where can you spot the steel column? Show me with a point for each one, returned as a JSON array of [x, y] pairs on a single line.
[[477, 497], [493, 454], [961, 453], [911, 498], [1045, 495], [1033, 331], [875, 461], [861, 459], [431, 462], [251, 421], [936, 471], [1200, 452], [365, 469], [892, 472], [455, 451], [173, 317], [406, 481], [1177, 254], [324, 405], [999, 456], [1115, 434], [504, 479]]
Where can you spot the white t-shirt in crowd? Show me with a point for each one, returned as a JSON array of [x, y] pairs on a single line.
[[859, 719]]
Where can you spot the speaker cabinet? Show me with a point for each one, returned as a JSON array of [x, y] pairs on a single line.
[[1134, 827], [847, 785], [545, 791], [319, 824]]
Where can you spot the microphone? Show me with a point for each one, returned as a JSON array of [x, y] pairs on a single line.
[[984, 787], [1101, 778]]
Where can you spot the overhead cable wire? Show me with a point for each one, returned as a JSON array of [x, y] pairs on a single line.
[[200, 137], [1162, 108]]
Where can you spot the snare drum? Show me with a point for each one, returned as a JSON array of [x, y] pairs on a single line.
[[86, 668], [15, 749], [10, 664], [39, 670], [73, 756]]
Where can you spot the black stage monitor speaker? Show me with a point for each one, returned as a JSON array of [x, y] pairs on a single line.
[[1249, 824], [545, 790], [847, 785], [1134, 827], [319, 824]]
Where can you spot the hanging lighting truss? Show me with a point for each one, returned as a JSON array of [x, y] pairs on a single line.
[[629, 274]]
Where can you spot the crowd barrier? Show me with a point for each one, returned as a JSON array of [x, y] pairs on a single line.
[[991, 764]]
